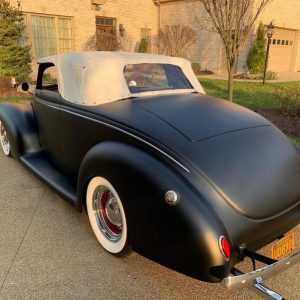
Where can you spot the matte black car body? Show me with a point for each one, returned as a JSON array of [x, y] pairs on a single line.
[[236, 174]]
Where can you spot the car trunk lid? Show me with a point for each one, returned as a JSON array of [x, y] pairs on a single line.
[[257, 170], [199, 117]]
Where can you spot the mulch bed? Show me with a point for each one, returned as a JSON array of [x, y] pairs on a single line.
[[10, 94], [204, 72], [288, 124]]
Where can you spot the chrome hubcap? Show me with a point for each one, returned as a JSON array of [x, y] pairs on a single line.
[[108, 213], [4, 140]]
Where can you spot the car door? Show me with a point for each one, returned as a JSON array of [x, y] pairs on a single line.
[[79, 135], [46, 105]]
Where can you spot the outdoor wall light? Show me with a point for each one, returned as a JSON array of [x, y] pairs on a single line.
[[97, 4], [270, 30]]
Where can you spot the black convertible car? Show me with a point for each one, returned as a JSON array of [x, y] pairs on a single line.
[[192, 182]]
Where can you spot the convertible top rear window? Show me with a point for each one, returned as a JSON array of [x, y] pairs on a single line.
[[149, 77]]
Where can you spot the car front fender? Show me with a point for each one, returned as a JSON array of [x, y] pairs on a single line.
[[184, 237], [21, 128]]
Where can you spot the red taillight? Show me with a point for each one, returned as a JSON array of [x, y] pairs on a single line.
[[224, 247]]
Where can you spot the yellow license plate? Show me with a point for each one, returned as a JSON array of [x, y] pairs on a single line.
[[284, 246]]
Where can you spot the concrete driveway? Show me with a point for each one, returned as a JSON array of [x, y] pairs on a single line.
[[48, 251]]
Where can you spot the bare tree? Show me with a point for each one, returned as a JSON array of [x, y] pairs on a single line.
[[233, 20], [174, 40]]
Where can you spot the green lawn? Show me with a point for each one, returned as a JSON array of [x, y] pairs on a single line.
[[295, 139], [14, 99], [250, 94]]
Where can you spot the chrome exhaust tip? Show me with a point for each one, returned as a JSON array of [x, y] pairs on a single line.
[[264, 292]]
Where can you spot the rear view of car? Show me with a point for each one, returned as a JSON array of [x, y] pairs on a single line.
[[192, 182]]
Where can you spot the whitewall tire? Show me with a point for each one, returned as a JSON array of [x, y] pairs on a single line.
[[5, 145], [107, 216]]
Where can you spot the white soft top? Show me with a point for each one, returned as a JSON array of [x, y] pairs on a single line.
[[93, 78]]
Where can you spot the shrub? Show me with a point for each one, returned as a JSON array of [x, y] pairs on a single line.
[[289, 99], [106, 42], [257, 54], [175, 40], [269, 76], [196, 68], [143, 48]]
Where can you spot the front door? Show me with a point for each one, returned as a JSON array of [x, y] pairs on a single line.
[[106, 37]]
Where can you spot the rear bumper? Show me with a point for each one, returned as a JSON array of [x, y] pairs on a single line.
[[250, 279]]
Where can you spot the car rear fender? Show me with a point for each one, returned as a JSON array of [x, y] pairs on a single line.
[[21, 128], [184, 237]]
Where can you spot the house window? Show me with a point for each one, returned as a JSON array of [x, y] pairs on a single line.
[[24, 39], [44, 36], [48, 35], [105, 21], [65, 35]]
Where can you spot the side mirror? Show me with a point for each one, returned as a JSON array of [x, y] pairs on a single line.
[[25, 86]]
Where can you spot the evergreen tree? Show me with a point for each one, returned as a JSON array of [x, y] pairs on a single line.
[[257, 54], [143, 46], [15, 60]]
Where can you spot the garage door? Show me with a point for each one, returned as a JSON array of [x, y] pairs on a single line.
[[281, 50]]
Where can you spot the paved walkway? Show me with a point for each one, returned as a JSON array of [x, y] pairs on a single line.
[[282, 77]]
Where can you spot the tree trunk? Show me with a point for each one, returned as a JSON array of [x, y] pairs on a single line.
[[230, 83]]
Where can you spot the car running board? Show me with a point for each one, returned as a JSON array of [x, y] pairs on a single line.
[[40, 166], [255, 278]]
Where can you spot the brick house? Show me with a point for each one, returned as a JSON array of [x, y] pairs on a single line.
[[209, 52], [56, 26]]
